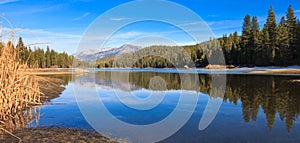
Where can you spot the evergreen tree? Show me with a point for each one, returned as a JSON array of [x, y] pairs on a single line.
[[47, 56], [245, 40], [236, 56], [21, 50], [271, 28], [298, 43], [273, 45], [283, 55], [40, 57], [31, 58], [53, 58], [255, 40], [263, 51], [292, 32]]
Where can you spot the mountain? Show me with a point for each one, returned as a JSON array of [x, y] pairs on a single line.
[[90, 55]]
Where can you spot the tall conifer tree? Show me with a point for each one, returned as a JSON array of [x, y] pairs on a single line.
[[245, 39]]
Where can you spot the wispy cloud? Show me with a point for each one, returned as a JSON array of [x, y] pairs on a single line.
[[81, 17], [212, 15], [119, 18], [297, 11], [51, 34], [219, 27], [39, 9], [191, 23], [59, 41], [7, 1], [81, 0], [225, 26], [128, 35]]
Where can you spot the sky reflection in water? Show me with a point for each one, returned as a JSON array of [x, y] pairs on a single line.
[[255, 108]]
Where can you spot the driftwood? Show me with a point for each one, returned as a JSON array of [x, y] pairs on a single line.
[[219, 66]]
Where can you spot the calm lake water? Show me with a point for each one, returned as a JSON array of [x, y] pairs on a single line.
[[255, 108]]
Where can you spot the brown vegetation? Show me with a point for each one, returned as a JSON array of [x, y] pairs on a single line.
[[54, 134], [19, 90]]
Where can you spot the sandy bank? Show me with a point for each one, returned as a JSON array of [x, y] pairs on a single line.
[[56, 71], [219, 66], [276, 71]]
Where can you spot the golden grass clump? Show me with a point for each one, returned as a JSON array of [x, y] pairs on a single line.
[[19, 89]]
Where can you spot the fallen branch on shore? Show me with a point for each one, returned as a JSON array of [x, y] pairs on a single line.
[[219, 66]]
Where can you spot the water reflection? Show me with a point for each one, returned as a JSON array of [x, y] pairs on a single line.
[[11, 120], [255, 108], [273, 94], [65, 78], [25, 119]]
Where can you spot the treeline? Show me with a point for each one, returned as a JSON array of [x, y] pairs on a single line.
[[40, 58], [158, 57], [276, 44]]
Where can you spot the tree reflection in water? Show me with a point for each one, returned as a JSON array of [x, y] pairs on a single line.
[[273, 94], [24, 119]]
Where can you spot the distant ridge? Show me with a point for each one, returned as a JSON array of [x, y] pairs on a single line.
[[90, 55]]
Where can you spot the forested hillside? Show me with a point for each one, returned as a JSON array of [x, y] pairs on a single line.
[[276, 43]]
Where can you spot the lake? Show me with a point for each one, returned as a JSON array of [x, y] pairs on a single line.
[[254, 108]]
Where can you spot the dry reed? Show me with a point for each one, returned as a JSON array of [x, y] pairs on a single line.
[[18, 90]]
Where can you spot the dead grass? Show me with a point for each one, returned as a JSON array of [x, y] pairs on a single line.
[[56, 134], [18, 90]]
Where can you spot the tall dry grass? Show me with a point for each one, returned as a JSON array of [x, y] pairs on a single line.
[[18, 89]]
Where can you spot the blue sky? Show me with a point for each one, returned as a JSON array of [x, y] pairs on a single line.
[[63, 22]]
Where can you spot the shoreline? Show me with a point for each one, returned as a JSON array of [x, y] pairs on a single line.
[[276, 71], [55, 134], [56, 71], [51, 88], [252, 70]]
